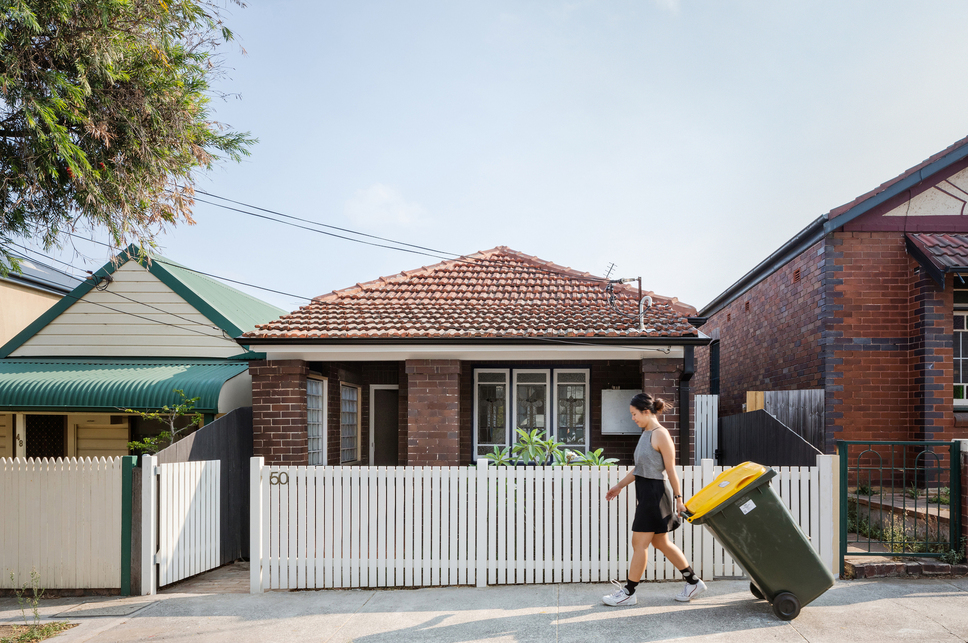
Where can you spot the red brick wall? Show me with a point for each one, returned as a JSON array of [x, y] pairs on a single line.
[[433, 412], [775, 343], [279, 411], [661, 376]]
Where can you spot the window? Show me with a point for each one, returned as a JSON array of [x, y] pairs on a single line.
[[349, 424], [555, 400], [530, 401], [316, 420], [961, 360], [491, 410], [571, 408]]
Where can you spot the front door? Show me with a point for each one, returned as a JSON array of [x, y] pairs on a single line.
[[384, 404]]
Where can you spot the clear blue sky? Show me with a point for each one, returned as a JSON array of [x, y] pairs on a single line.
[[682, 140]]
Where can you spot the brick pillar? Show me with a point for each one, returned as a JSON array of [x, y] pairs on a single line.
[[932, 358], [433, 412], [279, 418]]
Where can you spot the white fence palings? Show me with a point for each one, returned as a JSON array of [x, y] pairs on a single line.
[[427, 526], [62, 518], [188, 509]]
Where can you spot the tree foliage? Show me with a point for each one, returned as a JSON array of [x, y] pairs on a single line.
[[171, 416], [105, 116]]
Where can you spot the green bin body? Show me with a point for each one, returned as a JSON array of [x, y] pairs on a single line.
[[757, 530]]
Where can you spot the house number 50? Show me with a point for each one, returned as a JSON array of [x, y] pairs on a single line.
[[279, 478]]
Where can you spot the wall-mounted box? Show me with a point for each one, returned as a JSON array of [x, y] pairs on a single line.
[[616, 419]]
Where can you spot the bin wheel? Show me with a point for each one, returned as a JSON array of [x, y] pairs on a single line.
[[786, 606], [755, 591]]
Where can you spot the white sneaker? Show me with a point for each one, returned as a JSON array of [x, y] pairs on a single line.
[[620, 596], [690, 592]]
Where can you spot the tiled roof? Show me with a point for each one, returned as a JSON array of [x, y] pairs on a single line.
[[944, 250], [836, 212], [496, 293]]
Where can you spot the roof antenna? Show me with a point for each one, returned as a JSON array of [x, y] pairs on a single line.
[[611, 267], [642, 300]]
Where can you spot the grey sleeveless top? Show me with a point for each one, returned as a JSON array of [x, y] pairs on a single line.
[[648, 461]]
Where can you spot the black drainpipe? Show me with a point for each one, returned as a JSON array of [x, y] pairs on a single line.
[[685, 430]]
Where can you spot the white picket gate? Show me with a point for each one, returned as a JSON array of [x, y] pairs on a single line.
[[61, 518], [707, 427], [182, 500], [317, 527]]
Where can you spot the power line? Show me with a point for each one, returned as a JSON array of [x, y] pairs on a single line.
[[453, 256], [117, 294], [124, 312]]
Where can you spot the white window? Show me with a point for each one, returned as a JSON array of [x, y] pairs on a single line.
[[349, 424], [316, 420], [961, 360], [550, 400], [571, 408], [491, 410], [532, 403]]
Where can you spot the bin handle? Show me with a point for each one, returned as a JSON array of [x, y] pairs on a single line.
[[744, 480]]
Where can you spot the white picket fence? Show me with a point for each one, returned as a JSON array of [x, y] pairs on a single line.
[[707, 427], [62, 519], [318, 527], [181, 523]]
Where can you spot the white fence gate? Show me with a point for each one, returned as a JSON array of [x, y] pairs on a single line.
[[62, 518], [707, 427], [316, 527], [184, 500]]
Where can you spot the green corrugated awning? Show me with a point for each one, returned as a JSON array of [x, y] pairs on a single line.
[[105, 384]]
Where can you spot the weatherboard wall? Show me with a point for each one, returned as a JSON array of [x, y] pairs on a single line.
[[136, 315]]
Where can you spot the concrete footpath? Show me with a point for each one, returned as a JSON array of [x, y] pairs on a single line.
[[860, 610]]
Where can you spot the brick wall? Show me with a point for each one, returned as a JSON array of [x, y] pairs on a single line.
[[433, 412], [279, 411], [769, 337]]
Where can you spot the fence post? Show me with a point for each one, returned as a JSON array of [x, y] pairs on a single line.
[[149, 525], [127, 472], [829, 516], [707, 561], [481, 522], [255, 525]]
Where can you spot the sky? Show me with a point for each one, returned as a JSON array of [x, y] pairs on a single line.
[[681, 140]]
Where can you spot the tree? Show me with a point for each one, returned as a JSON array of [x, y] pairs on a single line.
[[169, 415], [105, 117]]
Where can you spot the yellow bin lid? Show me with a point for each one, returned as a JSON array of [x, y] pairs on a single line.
[[725, 486]]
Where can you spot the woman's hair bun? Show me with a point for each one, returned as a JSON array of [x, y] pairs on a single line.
[[645, 402]]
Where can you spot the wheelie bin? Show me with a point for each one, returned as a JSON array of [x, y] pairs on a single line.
[[750, 521]]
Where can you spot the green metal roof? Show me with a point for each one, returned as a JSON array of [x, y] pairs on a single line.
[[231, 310], [108, 384]]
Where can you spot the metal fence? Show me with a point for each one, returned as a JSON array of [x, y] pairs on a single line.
[[900, 498]]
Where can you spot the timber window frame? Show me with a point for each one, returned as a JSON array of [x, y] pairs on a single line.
[[506, 407]]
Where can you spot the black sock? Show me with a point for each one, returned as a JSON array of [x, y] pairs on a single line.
[[630, 586], [689, 575]]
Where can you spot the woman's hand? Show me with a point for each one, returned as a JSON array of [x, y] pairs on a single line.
[[613, 492], [680, 506]]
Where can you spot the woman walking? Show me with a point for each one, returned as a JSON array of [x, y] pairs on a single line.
[[656, 510]]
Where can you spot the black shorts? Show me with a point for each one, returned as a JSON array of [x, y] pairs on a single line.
[[654, 510]]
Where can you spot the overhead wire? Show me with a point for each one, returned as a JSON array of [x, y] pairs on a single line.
[[125, 312]]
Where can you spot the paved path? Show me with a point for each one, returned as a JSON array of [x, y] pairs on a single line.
[[873, 610]]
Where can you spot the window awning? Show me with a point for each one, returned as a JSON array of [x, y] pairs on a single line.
[[939, 254], [110, 385]]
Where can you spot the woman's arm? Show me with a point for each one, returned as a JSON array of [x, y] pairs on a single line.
[[668, 450], [624, 482]]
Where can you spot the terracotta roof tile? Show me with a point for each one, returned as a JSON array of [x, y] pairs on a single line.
[[945, 250], [494, 293], [836, 212]]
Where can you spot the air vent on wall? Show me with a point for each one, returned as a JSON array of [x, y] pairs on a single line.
[[796, 276]]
